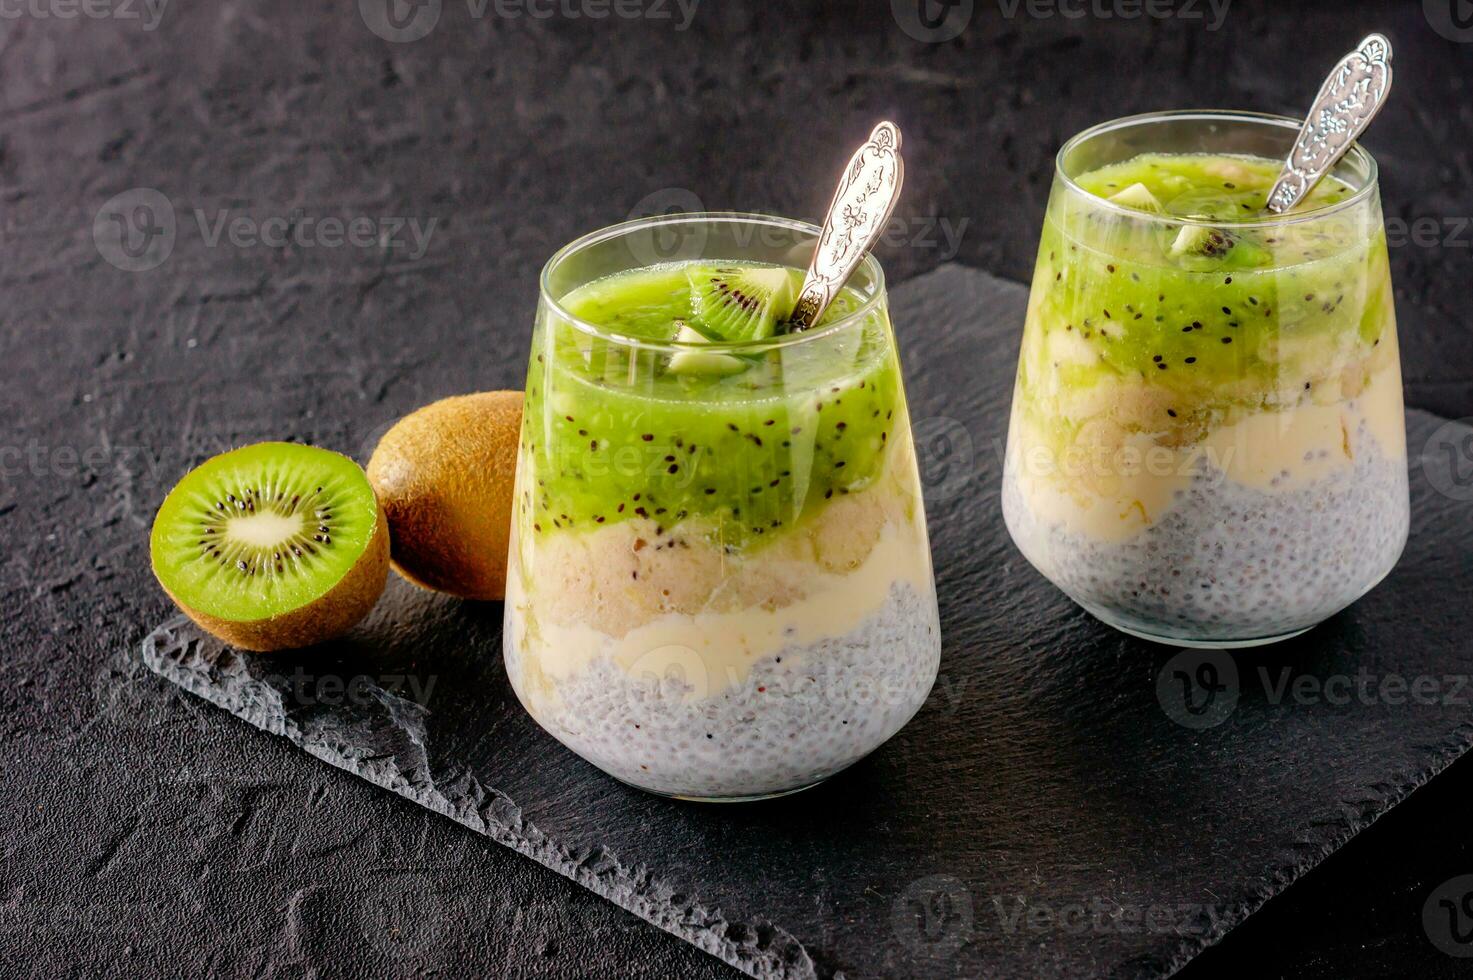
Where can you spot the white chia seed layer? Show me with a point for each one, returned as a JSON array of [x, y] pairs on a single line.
[[798, 717], [1232, 563]]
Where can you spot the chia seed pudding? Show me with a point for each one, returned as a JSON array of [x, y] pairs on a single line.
[[1234, 562], [799, 715]]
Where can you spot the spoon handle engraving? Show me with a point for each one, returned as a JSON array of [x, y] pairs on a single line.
[[862, 205], [1350, 98]]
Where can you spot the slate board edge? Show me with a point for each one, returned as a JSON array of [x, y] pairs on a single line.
[[774, 954], [1321, 843]]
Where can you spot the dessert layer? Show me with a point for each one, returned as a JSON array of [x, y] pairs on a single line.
[[1232, 560], [612, 434], [1117, 476], [617, 576], [680, 600], [1211, 315], [800, 713], [1202, 359]]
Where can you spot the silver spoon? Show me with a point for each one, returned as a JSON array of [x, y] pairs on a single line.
[[862, 205], [1348, 101]]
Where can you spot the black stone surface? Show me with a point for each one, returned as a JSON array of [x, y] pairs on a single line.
[[141, 832], [1052, 811]]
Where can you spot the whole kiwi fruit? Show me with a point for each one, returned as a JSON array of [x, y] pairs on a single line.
[[444, 475]]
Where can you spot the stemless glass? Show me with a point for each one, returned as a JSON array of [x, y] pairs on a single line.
[[1199, 455], [720, 586]]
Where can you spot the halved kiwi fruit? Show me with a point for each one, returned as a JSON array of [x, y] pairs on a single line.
[[273, 546], [740, 303]]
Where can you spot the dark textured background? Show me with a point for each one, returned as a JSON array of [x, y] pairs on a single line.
[[145, 832]]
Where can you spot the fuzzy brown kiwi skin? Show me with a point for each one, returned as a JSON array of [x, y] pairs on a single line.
[[331, 615], [445, 476]]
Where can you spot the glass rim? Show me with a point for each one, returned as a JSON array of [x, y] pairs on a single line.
[[869, 263], [1229, 115]]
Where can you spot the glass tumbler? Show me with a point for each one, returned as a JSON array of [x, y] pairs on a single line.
[[719, 586], [1204, 452]]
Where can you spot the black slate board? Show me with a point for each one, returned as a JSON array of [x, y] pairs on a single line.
[[1043, 814]]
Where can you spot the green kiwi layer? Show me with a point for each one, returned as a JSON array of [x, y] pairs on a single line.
[[611, 434], [1267, 310]]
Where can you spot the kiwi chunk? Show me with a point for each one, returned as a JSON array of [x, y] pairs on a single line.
[[740, 303], [1139, 197], [701, 363], [1202, 240], [272, 546], [1225, 249]]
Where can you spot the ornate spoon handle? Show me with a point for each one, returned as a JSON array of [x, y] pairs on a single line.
[[1348, 101], [861, 206]]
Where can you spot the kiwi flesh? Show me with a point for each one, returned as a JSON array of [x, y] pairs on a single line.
[[1226, 249], [1202, 240], [700, 363], [740, 303], [1203, 246], [1139, 197], [272, 546], [445, 474]]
